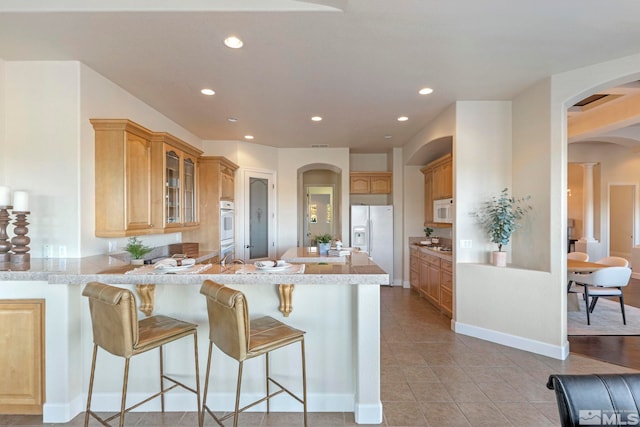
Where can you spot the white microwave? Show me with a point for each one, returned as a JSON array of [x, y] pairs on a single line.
[[443, 210]]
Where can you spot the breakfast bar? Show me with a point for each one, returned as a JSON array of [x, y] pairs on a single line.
[[337, 304]]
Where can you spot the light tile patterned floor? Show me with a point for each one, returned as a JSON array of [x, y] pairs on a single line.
[[430, 377]]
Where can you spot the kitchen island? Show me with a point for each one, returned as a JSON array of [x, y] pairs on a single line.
[[337, 304]]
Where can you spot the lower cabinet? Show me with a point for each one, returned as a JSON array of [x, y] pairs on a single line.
[[432, 277], [22, 356]]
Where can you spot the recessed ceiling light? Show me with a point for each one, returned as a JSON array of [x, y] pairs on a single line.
[[208, 92], [388, 137], [248, 137], [425, 91], [403, 118], [233, 42], [316, 118], [232, 119]]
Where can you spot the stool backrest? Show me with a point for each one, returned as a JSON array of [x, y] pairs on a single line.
[[228, 319], [614, 261], [113, 318]]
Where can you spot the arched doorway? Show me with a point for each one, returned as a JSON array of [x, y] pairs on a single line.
[[319, 206]]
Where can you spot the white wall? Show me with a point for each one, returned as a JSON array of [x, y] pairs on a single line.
[[41, 103], [4, 159]]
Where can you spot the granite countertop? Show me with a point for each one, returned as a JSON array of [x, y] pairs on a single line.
[[357, 269], [448, 255]]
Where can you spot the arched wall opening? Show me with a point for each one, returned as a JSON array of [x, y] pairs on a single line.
[[320, 209]]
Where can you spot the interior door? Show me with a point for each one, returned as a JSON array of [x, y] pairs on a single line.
[[621, 215], [259, 217]]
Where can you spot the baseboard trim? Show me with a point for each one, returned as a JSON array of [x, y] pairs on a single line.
[[63, 412], [533, 346]]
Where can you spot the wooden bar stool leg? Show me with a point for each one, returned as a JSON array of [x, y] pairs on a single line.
[[93, 370], [125, 381]]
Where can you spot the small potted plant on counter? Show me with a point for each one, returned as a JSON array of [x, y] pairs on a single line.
[[137, 250], [324, 243], [500, 216]]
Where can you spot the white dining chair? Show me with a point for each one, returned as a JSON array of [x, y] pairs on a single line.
[[606, 282], [577, 256]]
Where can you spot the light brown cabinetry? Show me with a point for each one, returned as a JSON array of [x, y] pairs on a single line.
[[370, 182], [176, 167], [414, 269], [123, 178], [22, 368], [145, 181], [446, 287], [216, 182], [438, 184], [431, 276]]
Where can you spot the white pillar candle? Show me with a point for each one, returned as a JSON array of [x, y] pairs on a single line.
[[20, 201], [5, 197]]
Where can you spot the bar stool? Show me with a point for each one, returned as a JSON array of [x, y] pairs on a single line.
[[232, 332], [116, 330]]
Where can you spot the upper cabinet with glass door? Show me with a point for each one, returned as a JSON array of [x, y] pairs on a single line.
[[177, 194]]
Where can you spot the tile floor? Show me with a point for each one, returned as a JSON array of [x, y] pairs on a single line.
[[430, 377]]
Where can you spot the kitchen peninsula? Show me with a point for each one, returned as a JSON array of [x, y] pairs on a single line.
[[337, 304]]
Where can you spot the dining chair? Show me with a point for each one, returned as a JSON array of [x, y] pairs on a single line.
[[116, 329], [578, 256], [606, 282], [613, 261], [232, 332]]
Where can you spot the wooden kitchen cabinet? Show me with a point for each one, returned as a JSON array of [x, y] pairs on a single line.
[[22, 367], [175, 189], [432, 277], [414, 269], [216, 182], [370, 182], [123, 178], [145, 181], [438, 184], [446, 287]]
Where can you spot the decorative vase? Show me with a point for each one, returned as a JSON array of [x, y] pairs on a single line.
[[323, 248], [137, 261], [499, 259]]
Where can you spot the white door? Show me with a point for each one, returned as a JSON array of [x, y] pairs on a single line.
[[621, 214], [259, 216]]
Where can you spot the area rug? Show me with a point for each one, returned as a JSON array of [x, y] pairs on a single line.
[[606, 319]]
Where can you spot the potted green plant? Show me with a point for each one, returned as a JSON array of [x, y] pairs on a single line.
[[428, 231], [500, 216], [137, 250], [324, 243]]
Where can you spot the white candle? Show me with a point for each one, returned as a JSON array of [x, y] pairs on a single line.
[[20, 201], [5, 198]]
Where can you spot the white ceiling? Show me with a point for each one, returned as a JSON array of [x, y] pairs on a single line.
[[356, 63]]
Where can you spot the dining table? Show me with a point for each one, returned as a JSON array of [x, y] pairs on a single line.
[[575, 266]]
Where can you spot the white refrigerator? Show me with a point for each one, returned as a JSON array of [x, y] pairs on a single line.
[[372, 231]]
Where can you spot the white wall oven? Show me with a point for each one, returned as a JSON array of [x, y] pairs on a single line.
[[227, 218]]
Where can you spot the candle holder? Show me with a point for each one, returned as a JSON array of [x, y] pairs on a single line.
[[5, 245], [20, 241]]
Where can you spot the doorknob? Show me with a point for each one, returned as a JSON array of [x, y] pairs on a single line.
[[249, 246]]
